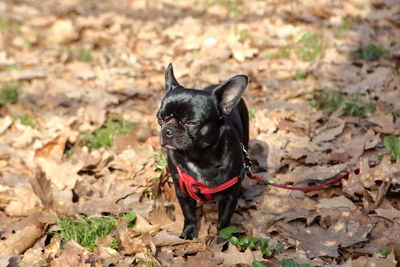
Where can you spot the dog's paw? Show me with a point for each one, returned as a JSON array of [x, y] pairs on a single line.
[[188, 232]]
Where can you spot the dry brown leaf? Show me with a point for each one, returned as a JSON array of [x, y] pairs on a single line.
[[383, 121], [74, 255], [131, 244], [317, 242], [329, 131], [384, 171], [233, 256], [34, 257], [386, 210], [63, 175], [42, 188], [62, 32], [107, 255], [143, 226], [388, 261], [318, 173], [23, 202], [375, 81], [164, 238], [335, 202], [384, 235], [298, 213], [279, 200], [202, 258], [352, 185], [5, 123], [20, 236]]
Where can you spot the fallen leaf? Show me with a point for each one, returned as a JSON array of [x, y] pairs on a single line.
[[375, 81], [107, 255], [317, 173], [330, 130], [5, 123], [317, 242], [62, 32], [53, 150], [233, 256], [143, 226], [164, 238], [23, 202], [30, 74], [75, 255], [20, 236], [298, 213], [383, 121], [388, 261], [335, 202]]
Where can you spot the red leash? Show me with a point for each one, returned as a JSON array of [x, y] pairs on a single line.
[[247, 166], [307, 188]]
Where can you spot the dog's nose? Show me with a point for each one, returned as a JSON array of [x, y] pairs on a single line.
[[168, 132]]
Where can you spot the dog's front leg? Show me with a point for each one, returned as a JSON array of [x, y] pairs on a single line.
[[188, 206], [226, 207]]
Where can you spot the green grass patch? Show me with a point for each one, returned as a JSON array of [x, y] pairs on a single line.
[[334, 100], [85, 230], [9, 26], [131, 217], [359, 6], [105, 136], [300, 75], [27, 43], [282, 52], [308, 46], [84, 55], [347, 22], [243, 34], [9, 93], [252, 113], [161, 161], [230, 5], [211, 68], [11, 68], [27, 120], [292, 263], [370, 53], [391, 143]]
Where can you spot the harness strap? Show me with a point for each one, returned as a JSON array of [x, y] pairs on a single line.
[[199, 191]]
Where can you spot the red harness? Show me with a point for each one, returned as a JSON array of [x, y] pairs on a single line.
[[199, 191]]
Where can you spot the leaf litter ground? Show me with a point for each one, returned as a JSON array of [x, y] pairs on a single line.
[[81, 82]]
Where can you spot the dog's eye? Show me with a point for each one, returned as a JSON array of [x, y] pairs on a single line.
[[192, 123]]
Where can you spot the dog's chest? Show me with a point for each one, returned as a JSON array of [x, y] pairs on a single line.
[[210, 176]]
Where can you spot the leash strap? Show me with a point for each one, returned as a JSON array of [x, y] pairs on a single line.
[[334, 180]]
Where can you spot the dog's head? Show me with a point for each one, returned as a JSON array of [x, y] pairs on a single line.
[[191, 118]]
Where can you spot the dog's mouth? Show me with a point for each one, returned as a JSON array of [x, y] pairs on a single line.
[[170, 147], [163, 144]]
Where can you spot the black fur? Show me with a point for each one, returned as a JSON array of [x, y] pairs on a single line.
[[203, 131]]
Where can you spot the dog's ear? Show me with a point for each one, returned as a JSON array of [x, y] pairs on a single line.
[[170, 81], [228, 94]]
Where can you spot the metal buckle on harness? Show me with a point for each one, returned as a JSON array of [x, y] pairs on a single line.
[[247, 163]]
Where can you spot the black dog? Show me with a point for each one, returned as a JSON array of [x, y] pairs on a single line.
[[205, 132]]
